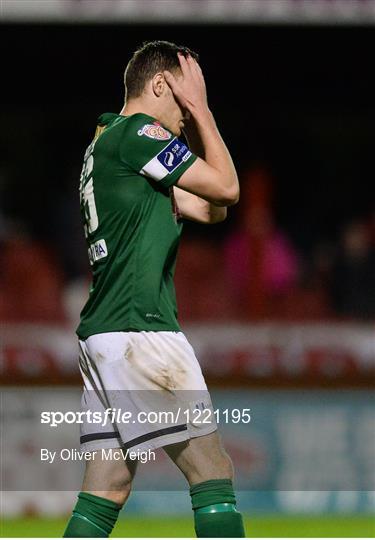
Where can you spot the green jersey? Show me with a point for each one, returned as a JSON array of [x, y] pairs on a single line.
[[131, 224]]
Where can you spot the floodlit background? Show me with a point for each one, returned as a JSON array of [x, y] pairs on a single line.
[[278, 301]]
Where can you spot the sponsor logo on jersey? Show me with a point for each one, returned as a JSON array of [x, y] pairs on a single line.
[[167, 160], [97, 251], [154, 131], [173, 155]]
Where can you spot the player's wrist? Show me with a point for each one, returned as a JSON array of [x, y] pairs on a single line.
[[201, 113]]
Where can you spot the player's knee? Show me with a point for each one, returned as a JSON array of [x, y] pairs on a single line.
[[109, 480], [122, 495], [211, 469], [117, 492], [121, 484]]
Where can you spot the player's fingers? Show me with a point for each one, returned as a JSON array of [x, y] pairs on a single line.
[[201, 76], [174, 86], [191, 62], [171, 81], [199, 69], [195, 68], [185, 67]]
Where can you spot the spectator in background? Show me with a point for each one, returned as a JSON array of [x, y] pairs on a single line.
[[260, 261], [353, 273], [279, 261]]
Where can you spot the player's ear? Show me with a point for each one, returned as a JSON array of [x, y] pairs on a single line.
[[158, 84]]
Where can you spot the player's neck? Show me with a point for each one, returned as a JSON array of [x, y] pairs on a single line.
[[143, 106]]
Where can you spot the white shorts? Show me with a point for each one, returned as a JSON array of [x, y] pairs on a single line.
[[150, 384]]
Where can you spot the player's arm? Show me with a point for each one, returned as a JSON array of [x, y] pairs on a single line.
[[192, 206], [195, 208], [213, 178]]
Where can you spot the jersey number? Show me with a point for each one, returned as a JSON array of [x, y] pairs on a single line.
[[87, 193]]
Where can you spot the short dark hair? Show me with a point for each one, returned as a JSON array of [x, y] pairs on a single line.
[[150, 58]]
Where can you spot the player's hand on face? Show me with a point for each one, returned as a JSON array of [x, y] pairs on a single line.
[[190, 89]]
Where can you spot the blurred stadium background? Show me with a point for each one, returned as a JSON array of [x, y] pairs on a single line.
[[279, 301]]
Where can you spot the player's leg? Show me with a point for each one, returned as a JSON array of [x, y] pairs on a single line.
[[107, 482], [209, 471], [106, 487]]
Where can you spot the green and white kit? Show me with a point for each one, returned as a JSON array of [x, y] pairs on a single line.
[[133, 355], [131, 225]]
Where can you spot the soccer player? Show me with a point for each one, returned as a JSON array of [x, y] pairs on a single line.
[[138, 179]]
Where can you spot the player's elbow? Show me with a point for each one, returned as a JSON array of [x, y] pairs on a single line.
[[229, 196], [233, 197]]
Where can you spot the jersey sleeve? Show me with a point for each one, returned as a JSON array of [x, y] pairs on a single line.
[[152, 151]]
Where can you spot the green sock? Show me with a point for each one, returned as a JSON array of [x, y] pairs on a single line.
[[215, 514], [92, 517]]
